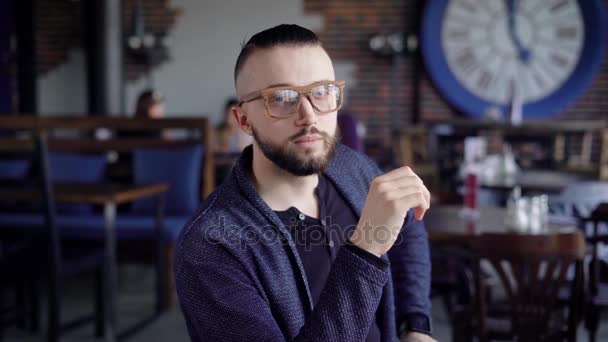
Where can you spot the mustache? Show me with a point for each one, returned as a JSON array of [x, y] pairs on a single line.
[[307, 131]]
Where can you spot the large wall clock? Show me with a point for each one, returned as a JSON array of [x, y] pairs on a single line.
[[479, 52]]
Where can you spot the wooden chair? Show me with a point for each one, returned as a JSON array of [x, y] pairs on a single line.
[[579, 199], [598, 286], [43, 254], [532, 269], [453, 282]]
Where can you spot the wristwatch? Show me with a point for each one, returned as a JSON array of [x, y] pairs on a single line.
[[415, 322]]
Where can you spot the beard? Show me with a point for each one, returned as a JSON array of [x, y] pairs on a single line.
[[286, 157]]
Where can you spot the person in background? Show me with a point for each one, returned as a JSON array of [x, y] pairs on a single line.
[[150, 104], [230, 138]]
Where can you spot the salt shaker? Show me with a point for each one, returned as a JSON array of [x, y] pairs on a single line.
[[535, 220], [521, 218]]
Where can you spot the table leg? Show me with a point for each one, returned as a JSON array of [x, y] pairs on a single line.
[[110, 289], [161, 267]]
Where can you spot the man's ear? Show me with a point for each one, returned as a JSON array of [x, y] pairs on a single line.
[[242, 119]]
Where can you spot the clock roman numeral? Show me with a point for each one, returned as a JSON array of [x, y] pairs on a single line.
[[536, 83], [558, 5], [469, 7], [484, 80], [538, 79], [458, 34], [558, 60], [466, 61], [567, 32], [555, 6]]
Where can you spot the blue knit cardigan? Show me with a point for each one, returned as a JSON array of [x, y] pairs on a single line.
[[239, 276]]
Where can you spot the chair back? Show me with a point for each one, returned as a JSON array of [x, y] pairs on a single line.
[[178, 167], [597, 239], [30, 147], [532, 270], [579, 199]]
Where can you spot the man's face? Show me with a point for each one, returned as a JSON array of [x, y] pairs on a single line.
[[305, 142]]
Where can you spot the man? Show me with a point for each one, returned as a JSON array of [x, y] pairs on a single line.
[[293, 244]]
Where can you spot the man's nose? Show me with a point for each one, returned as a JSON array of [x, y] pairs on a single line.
[[307, 116]]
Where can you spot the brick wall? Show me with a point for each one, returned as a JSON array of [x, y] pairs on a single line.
[[159, 16], [59, 27], [348, 25]]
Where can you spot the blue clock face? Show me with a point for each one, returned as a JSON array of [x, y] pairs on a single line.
[[480, 53]]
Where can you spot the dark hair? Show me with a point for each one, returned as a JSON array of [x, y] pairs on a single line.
[[230, 102], [147, 99], [286, 35]]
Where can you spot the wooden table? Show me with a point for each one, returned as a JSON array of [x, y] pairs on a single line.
[[109, 196], [445, 224]]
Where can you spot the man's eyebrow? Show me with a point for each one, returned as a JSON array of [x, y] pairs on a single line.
[[280, 85], [291, 85]]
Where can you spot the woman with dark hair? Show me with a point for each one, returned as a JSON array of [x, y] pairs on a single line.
[[150, 104]]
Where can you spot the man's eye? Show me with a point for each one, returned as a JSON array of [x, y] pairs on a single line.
[[321, 91], [277, 98], [284, 96]]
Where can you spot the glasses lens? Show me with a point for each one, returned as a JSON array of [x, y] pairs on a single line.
[[327, 97], [283, 102]]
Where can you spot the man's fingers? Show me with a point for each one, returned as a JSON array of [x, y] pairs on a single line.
[[401, 192], [404, 190], [397, 173], [400, 182], [415, 200], [419, 213]]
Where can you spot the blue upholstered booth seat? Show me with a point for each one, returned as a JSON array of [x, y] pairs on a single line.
[[128, 227], [12, 169], [16, 168], [76, 167], [179, 167]]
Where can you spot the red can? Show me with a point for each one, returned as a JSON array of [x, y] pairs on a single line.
[[470, 200]]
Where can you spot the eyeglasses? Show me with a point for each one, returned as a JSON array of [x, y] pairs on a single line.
[[284, 101]]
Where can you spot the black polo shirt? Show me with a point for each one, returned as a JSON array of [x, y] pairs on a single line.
[[318, 240]]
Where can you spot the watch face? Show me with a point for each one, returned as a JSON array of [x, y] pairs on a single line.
[[491, 45], [480, 53]]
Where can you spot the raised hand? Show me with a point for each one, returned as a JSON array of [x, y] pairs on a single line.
[[389, 199]]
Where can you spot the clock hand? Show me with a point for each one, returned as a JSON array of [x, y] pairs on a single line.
[[524, 54]]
